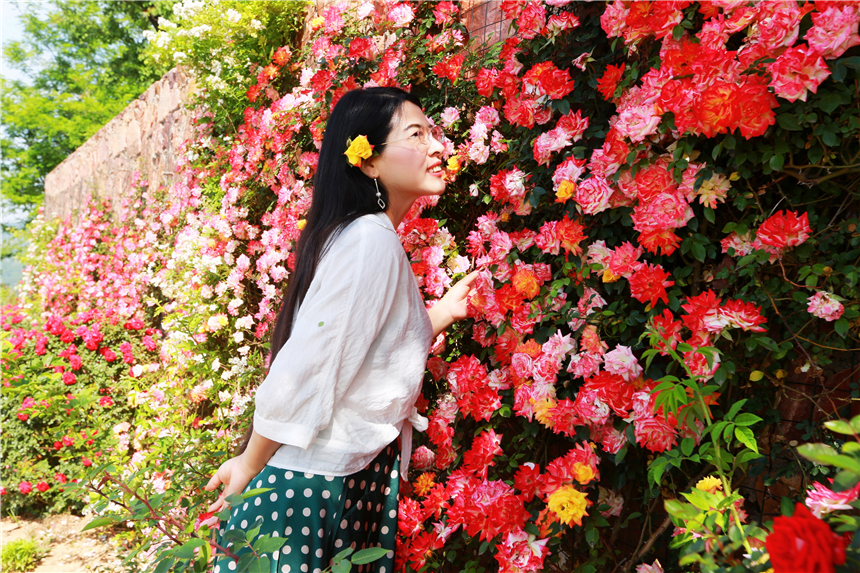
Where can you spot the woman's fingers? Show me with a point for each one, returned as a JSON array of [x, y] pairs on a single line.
[[467, 280], [214, 482], [216, 506]]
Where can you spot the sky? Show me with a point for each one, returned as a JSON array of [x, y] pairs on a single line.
[[10, 30]]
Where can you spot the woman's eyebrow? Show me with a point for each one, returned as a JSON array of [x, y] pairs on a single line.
[[411, 125]]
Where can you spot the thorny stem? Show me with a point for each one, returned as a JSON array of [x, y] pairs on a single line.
[[706, 412], [793, 335], [723, 479], [155, 517]]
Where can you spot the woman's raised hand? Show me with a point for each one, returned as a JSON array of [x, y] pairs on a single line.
[[454, 305]]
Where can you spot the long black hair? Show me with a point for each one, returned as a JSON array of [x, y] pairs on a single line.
[[341, 193]]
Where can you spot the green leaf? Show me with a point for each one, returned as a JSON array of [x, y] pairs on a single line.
[[841, 327], [344, 554], [261, 565], [681, 510], [839, 426], [186, 551], [266, 544], [823, 454], [687, 445], [257, 491], [788, 122], [786, 506], [776, 162], [735, 409], [830, 138], [164, 565], [368, 555], [746, 419], [102, 521], [656, 469], [845, 480], [747, 438], [829, 101], [747, 456]]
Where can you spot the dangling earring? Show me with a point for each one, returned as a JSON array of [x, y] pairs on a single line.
[[379, 200]]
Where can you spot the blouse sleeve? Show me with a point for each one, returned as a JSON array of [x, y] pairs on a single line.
[[346, 305]]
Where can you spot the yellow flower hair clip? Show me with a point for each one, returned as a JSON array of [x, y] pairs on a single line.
[[358, 149]]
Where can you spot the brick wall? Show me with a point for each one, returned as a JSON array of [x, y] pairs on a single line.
[[146, 137]]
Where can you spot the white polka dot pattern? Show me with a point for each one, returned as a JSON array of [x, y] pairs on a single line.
[[318, 515]]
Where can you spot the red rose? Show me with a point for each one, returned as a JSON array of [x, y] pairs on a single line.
[[25, 487], [609, 81], [804, 543], [42, 486], [361, 48]]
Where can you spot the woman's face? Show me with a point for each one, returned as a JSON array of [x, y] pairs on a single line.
[[407, 168]]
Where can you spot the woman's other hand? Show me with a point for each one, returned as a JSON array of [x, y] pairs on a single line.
[[454, 305], [236, 473]]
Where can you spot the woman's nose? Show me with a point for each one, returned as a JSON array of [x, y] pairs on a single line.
[[435, 146]]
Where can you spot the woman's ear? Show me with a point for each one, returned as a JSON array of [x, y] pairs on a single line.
[[368, 167]]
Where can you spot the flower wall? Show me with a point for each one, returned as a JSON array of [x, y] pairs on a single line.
[[660, 198]]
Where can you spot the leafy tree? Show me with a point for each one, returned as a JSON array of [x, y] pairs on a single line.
[[84, 61]]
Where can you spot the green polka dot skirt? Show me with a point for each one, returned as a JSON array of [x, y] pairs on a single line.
[[322, 515]]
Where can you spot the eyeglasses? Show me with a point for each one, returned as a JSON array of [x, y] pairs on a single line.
[[422, 136]]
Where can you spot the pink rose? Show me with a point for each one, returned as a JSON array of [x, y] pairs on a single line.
[[522, 365], [797, 70], [654, 434], [637, 123], [593, 195], [822, 500], [823, 305], [621, 361], [449, 116], [834, 31], [612, 499], [584, 364], [423, 458]]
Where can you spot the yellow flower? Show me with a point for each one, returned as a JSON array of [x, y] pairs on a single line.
[[569, 504], [543, 411], [609, 276], [565, 191], [583, 473], [424, 483], [710, 484], [300, 224], [358, 149], [317, 23], [454, 163]]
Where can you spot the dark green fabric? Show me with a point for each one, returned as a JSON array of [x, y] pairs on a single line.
[[322, 515]]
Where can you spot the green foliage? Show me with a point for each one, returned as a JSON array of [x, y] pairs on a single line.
[[20, 555], [83, 59], [219, 42]]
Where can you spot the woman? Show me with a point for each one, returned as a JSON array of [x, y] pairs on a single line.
[[349, 346]]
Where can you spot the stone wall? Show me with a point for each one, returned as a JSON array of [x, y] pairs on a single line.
[[145, 137]]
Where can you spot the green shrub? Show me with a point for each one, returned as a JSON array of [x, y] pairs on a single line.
[[21, 555]]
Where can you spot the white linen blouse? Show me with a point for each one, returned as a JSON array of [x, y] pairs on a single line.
[[344, 384]]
